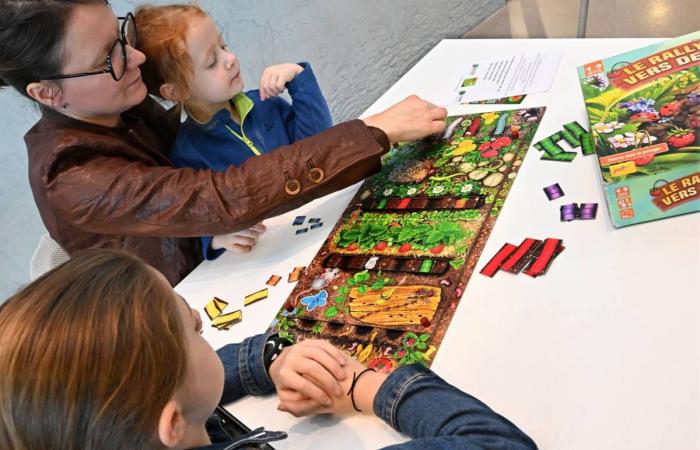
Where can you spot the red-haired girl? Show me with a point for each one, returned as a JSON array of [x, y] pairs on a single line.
[[188, 62]]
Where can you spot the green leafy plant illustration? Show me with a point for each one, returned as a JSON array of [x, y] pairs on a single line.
[[410, 350]]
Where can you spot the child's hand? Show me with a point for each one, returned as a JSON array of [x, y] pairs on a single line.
[[275, 77], [240, 241], [309, 371], [364, 393]]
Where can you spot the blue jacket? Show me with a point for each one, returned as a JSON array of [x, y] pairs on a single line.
[[413, 400], [265, 125]]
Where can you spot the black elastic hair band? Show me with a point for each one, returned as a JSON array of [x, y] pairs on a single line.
[[351, 392]]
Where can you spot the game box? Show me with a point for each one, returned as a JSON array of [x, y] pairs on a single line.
[[644, 112]]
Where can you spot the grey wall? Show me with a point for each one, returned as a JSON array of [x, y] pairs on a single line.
[[358, 49]]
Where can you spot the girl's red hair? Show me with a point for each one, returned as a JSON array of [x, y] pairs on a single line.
[[161, 37]]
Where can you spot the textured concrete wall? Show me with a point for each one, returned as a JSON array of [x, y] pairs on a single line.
[[20, 224], [358, 49]]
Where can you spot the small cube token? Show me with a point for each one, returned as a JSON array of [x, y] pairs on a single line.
[[317, 225], [215, 307], [255, 296], [302, 230], [274, 279], [298, 220]]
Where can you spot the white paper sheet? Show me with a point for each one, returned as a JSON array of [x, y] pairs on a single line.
[[505, 76]]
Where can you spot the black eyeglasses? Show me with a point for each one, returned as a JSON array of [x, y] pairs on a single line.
[[116, 58]]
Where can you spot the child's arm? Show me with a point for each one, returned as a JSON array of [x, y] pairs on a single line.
[[308, 114], [311, 369], [186, 154], [417, 402], [238, 242], [274, 79]]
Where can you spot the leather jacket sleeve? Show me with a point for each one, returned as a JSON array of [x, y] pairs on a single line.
[[112, 195]]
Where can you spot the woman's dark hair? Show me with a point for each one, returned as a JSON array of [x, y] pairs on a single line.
[[31, 37]]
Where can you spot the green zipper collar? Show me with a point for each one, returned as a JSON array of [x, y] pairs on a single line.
[[243, 105]]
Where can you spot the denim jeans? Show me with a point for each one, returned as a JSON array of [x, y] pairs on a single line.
[[413, 400]]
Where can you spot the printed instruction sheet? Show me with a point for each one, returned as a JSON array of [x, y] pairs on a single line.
[[505, 76]]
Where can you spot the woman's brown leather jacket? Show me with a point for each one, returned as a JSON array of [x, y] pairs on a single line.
[[116, 187]]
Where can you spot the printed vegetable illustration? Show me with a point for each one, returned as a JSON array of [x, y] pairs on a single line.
[[681, 137]]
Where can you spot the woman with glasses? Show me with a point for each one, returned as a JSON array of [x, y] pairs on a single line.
[[98, 157], [116, 361]]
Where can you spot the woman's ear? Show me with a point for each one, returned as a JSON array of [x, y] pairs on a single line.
[[171, 425], [170, 92], [47, 93]]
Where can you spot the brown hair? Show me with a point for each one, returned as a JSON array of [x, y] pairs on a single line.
[[31, 39], [162, 32], [90, 353]]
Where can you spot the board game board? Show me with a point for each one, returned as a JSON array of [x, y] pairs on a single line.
[[385, 284]]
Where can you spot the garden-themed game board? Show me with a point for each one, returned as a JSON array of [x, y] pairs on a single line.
[[385, 284], [644, 113]]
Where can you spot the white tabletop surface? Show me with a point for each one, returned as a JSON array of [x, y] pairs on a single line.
[[600, 353]]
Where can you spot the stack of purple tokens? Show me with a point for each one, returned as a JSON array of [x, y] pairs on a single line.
[[569, 212], [554, 191], [588, 211]]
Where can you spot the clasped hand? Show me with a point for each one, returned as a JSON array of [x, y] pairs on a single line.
[[313, 377]]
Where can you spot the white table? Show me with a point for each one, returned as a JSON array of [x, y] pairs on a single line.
[[601, 353]]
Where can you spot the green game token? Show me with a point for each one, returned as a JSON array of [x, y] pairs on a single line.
[[550, 148], [587, 147], [564, 157], [576, 129], [570, 138], [556, 137]]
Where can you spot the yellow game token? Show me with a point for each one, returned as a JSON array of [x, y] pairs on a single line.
[[225, 321], [215, 307], [255, 296]]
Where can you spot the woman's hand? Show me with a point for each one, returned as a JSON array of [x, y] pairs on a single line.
[[410, 119], [240, 241], [311, 371], [274, 79], [365, 390]]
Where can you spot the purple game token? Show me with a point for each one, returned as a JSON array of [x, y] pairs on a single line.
[[569, 212], [554, 191], [588, 211]]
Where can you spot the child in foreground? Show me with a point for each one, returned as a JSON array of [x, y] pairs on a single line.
[[188, 62], [116, 360]]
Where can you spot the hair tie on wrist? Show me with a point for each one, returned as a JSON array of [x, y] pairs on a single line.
[[351, 392]]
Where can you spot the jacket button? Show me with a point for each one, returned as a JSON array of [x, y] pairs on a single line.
[[292, 187], [316, 175]]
